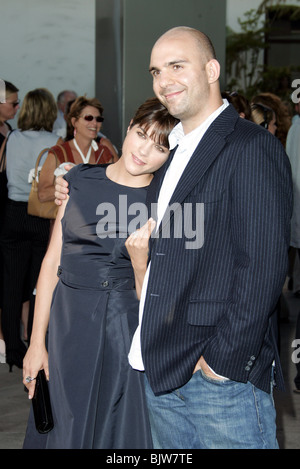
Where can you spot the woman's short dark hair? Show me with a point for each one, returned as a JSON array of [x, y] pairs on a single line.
[[150, 113]]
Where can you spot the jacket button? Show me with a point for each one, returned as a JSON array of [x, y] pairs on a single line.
[[105, 283]]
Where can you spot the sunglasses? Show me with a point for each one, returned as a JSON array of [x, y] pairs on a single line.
[[14, 104], [89, 118]]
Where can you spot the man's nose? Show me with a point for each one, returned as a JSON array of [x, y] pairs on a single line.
[[165, 79]]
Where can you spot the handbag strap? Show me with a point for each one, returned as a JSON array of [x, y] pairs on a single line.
[[34, 182], [63, 152], [51, 150], [3, 152]]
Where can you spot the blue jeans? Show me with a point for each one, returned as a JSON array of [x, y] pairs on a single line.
[[207, 413]]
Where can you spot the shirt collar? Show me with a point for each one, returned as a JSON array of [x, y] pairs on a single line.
[[177, 134]]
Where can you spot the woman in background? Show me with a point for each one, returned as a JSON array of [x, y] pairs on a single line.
[[84, 121], [264, 116], [23, 238], [283, 118]]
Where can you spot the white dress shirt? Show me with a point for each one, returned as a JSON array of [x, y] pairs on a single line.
[[186, 147]]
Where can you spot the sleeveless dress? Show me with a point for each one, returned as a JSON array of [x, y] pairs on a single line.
[[97, 399]]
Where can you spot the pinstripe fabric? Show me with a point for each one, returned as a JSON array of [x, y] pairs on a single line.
[[220, 301], [24, 242]]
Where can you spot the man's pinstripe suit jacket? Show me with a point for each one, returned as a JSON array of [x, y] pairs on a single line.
[[220, 299]]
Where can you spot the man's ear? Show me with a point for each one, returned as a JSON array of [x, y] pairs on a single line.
[[213, 70]]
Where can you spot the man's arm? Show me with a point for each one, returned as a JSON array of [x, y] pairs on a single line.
[[62, 187], [261, 194]]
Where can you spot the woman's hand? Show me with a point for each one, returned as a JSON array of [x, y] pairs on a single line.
[[137, 245], [35, 360]]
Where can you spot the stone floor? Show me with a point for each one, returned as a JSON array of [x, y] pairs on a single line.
[[14, 405]]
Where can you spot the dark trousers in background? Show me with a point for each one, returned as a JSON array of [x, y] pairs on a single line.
[[24, 241]]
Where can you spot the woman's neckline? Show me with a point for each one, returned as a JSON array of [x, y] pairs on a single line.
[[123, 185]]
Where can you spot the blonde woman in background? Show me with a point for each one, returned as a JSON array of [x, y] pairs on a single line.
[[264, 116], [24, 238]]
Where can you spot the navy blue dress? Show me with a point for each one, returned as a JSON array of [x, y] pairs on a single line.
[[97, 399]]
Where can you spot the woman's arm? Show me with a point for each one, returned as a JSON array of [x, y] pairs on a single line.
[[137, 245], [36, 357]]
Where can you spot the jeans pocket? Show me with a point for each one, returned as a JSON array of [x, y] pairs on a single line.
[[217, 381]]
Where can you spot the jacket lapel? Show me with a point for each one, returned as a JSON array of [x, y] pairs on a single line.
[[203, 157]]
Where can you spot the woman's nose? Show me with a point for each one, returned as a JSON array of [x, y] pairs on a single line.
[[146, 147]]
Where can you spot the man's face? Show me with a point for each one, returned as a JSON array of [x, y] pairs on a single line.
[[180, 78]]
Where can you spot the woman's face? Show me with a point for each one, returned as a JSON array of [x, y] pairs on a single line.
[[86, 126], [140, 153], [9, 109]]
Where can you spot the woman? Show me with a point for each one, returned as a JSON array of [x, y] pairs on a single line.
[[23, 238], [283, 119], [264, 116], [8, 110], [84, 120], [97, 398]]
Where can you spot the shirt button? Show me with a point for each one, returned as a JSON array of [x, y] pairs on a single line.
[[105, 283]]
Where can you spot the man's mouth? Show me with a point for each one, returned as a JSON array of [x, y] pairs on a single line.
[[172, 95]]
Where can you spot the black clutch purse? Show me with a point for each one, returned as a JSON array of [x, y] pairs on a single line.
[[41, 404]]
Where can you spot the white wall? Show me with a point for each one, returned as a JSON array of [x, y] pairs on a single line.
[[236, 9], [48, 43]]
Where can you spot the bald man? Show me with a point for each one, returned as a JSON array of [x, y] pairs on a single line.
[[207, 333]]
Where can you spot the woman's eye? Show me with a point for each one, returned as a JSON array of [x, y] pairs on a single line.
[[160, 149], [141, 134]]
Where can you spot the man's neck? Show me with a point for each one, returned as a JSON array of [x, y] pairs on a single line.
[[191, 124]]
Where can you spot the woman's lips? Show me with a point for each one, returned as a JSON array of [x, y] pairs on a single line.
[[137, 160]]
